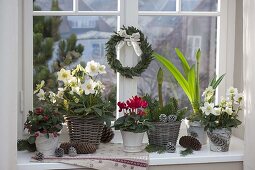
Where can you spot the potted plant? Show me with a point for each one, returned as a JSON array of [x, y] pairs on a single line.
[[189, 81], [43, 125], [165, 118], [132, 124], [80, 99], [221, 118]]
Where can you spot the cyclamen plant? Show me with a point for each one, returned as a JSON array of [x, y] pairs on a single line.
[[79, 92], [225, 114], [134, 116], [46, 121]]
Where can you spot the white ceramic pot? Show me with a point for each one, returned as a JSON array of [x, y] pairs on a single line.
[[196, 130], [132, 142], [46, 145]]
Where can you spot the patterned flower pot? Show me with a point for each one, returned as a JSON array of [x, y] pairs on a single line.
[[196, 130], [46, 145], [219, 139], [132, 142]]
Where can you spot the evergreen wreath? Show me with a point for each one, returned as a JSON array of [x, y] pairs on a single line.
[[116, 65]]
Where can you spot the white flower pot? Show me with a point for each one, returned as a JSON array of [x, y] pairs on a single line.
[[46, 145], [196, 130], [132, 142]]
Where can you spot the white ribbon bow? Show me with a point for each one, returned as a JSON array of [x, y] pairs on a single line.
[[130, 40]]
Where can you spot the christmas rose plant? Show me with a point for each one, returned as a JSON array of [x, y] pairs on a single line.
[[224, 114], [134, 116], [80, 92], [46, 121]]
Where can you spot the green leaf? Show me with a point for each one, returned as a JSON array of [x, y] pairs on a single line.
[[98, 111], [192, 82], [47, 135], [176, 73], [79, 110], [184, 62], [31, 139], [217, 82]]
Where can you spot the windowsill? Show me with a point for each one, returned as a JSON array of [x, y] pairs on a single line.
[[235, 154]]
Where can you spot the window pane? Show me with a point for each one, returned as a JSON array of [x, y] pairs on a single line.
[[53, 5], [199, 5], [78, 32], [98, 5], [159, 5], [188, 33]]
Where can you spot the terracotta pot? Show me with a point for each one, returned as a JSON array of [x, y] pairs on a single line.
[[132, 142], [46, 145]]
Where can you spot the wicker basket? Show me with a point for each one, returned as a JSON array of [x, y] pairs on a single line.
[[164, 133], [87, 130]]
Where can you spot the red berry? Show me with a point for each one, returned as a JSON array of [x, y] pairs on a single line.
[[45, 118]]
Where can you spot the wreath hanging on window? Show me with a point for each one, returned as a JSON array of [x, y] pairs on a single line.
[[130, 36]]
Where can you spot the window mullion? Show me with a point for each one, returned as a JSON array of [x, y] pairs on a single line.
[[129, 17]]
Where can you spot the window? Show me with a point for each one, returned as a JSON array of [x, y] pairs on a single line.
[[185, 24]]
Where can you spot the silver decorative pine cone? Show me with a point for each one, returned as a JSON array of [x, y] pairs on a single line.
[[59, 152], [172, 118], [39, 156], [72, 151], [170, 147], [163, 118]]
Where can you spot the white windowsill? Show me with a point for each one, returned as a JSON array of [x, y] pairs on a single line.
[[235, 154]]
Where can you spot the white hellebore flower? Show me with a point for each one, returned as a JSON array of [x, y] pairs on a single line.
[[217, 111], [76, 90], [89, 87], [60, 93], [100, 86], [208, 93], [229, 110], [208, 108], [92, 68], [101, 69], [52, 97], [223, 102], [64, 75], [41, 94], [238, 98], [232, 91]]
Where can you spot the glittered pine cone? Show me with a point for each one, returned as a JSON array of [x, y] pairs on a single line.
[[59, 152], [72, 151], [107, 134], [39, 156], [190, 142]]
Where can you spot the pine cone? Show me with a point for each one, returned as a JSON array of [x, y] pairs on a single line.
[[72, 151], [190, 142], [170, 147], [39, 156], [163, 118], [59, 152], [107, 134], [85, 148], [172, 118], [66, 146]]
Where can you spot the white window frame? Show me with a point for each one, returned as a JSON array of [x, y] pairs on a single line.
[[127, 14]]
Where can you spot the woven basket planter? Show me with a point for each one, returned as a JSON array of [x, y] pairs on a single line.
[[87, 130], [164, 133]]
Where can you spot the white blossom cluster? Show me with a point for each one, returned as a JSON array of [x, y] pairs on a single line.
[[226, 105], [75, 84]]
